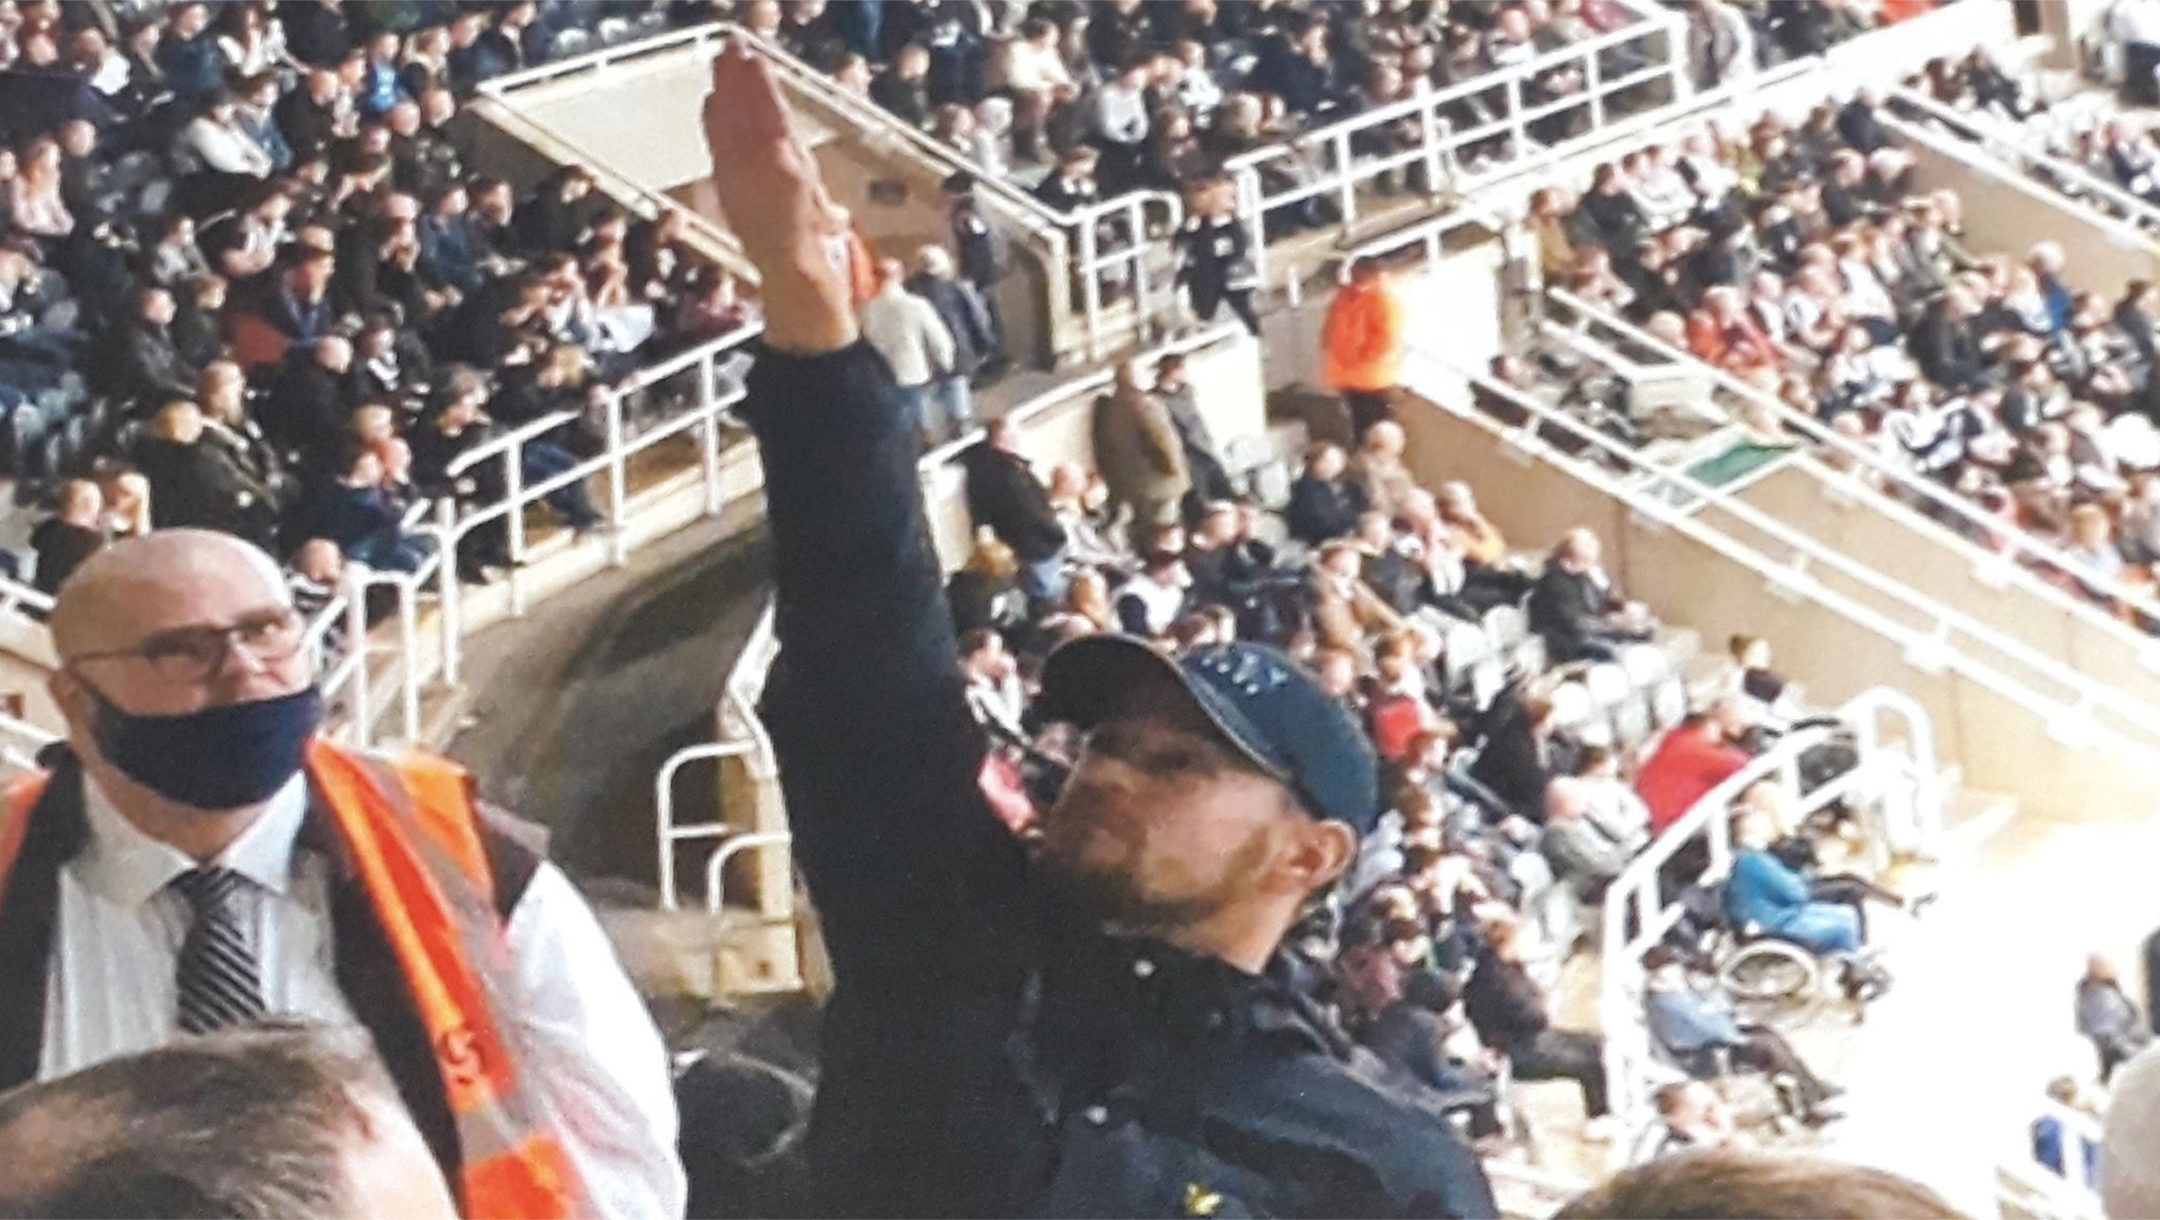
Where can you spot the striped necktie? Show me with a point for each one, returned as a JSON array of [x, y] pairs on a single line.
[[220, 981]]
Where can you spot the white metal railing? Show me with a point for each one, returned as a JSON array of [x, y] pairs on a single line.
[[2064, 1194], [707, 402], [1636, 915], [2019, 145], [2026, 554], [2076, 709], [742, 735], [1332, 162]]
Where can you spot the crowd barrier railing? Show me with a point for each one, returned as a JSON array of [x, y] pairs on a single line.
[[1637, 916], [2029, 1188], [2015, 143], [1333, 162], [713, 391], [742, 736], [20, 742], [2025, 555], [2076, 709]]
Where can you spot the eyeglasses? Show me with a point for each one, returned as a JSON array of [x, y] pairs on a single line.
[[191, 654]]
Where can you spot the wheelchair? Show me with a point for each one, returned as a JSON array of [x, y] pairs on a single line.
[[1773, 981]]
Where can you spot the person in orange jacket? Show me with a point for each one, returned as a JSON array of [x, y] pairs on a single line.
[[1362, 344]]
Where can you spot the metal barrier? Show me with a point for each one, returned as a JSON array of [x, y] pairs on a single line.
[[707, 402], [742, 735], [2023, 546], [345, 647], [20, 742], [1332, 162], [2076, 709], [2016, 143], [1636, 916], [2049, 1194]]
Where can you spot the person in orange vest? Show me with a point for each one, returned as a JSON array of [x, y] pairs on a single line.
[[199, 857], [1361, 344]]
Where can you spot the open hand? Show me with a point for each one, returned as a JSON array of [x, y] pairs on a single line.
[[777, 206]]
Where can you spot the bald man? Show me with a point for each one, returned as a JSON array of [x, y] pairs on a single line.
[[202, 857]]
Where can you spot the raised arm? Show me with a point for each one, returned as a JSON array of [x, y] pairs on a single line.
[[878, 755]]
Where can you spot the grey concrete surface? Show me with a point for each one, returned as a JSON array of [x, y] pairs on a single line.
[[576, 706]]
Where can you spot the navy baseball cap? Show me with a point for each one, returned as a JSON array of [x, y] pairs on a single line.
[[1267, 707]]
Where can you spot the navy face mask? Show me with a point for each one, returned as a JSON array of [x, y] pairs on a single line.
[[218, 758]]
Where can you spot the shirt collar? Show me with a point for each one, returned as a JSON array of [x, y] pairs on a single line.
[[130, 867]]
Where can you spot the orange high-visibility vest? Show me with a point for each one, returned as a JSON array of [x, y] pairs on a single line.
[[413, 837]]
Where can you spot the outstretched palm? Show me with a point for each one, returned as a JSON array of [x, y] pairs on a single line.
[[777, 206]]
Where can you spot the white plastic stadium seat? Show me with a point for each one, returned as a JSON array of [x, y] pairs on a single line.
[[1506, 625]]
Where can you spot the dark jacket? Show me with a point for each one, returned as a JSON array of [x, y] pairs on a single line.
[[1004, 494], [980, 1056], [307, 407], [198, 487], [60, 548], [961, 309], [152, 371], [1503, 1003], [1322, 509], [1569, 610]]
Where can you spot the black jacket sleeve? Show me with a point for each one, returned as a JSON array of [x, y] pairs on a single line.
[[916, 881]]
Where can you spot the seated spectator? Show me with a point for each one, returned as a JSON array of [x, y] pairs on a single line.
[[288, 1122], [1693, 757], [150, 368], [1154, 599], [1346, 613], [1770, 897], [1511, 1014], [357, 512], [1694, 1024], [1324, 502], [2108, 1018], [1574, 607], [1582, 854], [72, 534], [1693, 1117], [196, 484], [1412, 1039], [985, 593], [1384, 483], [314, 574]]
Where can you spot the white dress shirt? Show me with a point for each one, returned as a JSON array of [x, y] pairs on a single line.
[[587, 1045]]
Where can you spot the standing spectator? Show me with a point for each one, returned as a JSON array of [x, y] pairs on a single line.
[[936, 1085], [2136, 25], [72, 534], [1215, 256], [1119, 126], [1004, 495], [1362, 344], [907, 331], [1210, 475], [1138, 451], [1721, 43], [1695, 756], [2108, 1018], [961, 309], [211, 807], [984, 256]]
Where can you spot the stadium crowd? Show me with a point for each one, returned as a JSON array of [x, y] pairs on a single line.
[[1800, 260], [251, 283]]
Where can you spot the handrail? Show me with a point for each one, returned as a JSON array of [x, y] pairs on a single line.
[[742, 735], [2039, 551], [1635, 898], [2075, 721], [1991, 134]]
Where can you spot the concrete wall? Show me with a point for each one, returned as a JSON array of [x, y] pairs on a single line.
[[1226, 377], [1892, 538], [2005, 214], [2002, 744]]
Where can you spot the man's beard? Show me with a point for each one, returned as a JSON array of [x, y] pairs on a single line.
[[1104, 894]]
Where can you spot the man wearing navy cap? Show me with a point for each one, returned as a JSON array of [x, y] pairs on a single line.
[[1108, 1028]]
